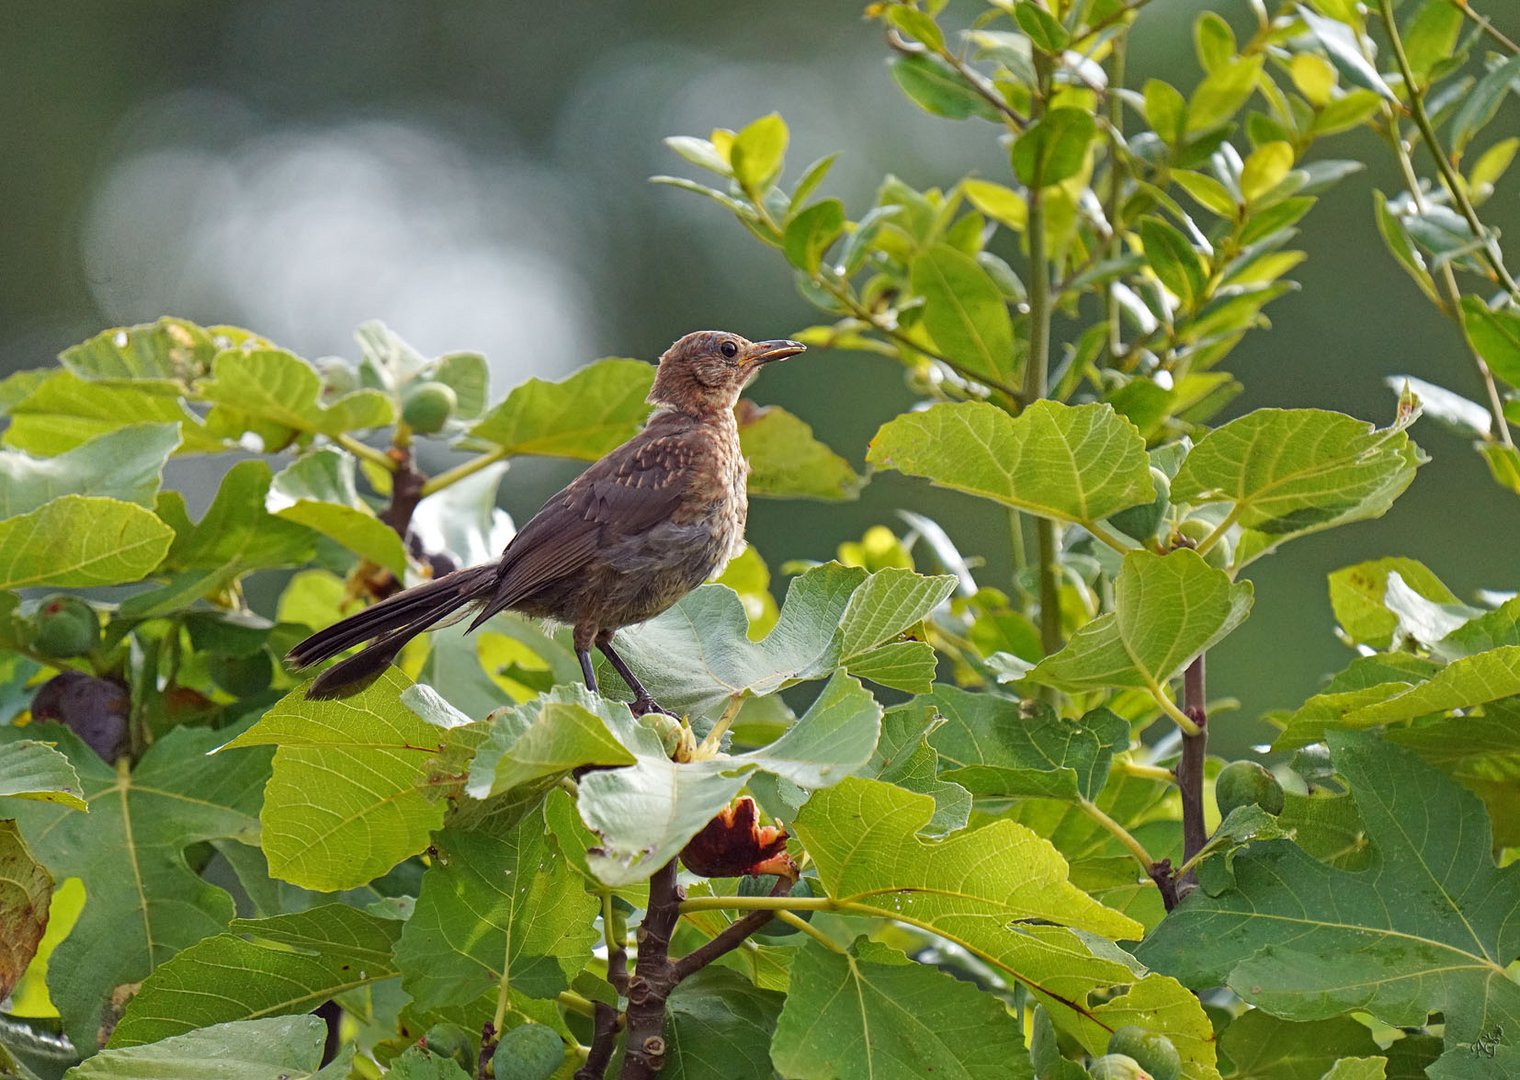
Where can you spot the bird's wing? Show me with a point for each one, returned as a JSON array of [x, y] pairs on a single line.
[[632, 489]]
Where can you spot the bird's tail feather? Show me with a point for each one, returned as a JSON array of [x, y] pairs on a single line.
[[391, 623]]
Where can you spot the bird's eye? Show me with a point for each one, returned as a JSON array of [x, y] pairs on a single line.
[[729, 349]]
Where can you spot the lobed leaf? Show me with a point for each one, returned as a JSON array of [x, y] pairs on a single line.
[[1429, 927], [372, 759], [282, 965], [593, 411], [144, 902], [499, 906], [1167, 610], [873, 1014], [1074, 463]]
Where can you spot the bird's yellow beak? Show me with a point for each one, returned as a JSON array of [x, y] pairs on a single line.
[[763, 352]]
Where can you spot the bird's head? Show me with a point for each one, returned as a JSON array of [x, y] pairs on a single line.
[[705, 371]]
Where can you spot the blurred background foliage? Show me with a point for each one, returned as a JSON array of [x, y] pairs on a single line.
[[475, 174]]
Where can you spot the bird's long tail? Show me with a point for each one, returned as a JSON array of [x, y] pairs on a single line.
[[391, 623]]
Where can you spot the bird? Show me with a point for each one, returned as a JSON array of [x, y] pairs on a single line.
[[621, 543]]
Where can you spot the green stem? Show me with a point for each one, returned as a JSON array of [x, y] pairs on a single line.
[[462, 470], [365, 451], [758, 903], [576, 1003], [797, 922], [1125, 837], [1146, 772]]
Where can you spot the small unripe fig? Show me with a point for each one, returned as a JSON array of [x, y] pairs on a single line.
[[337, 377], [529, 1052], [428, 406], [242, 676], [1151, 1051], [452, 1041], [1117, 1067], [65, 626], [1197, 530], [1244, 783], [1141, 522]]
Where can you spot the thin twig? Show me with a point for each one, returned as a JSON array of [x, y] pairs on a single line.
[[604, 1031], [1481, 21], [1449, 177], [1190, 765], [730, 938]]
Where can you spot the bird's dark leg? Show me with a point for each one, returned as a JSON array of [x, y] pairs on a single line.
[[642, 702], [582, 637], [584, 656]]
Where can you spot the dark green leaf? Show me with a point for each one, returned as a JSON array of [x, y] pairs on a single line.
[[720, 1028], [996, 746], [1496, 337], [495, 897], [1396, 238], [916, 24], [1043, 28], [261, 967], [935, 87], [811, 232], [1426, 928], [1174, 261], [1480, 106], [144, 903], [872, 1014]]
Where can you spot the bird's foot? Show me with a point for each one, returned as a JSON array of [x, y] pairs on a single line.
[[643, 705]]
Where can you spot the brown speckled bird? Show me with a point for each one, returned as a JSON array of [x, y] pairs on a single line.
[[625, 540]]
